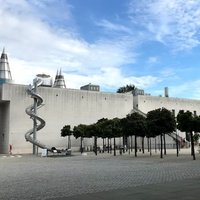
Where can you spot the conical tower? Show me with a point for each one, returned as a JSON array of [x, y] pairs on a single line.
[[59, 80], [5, 74]]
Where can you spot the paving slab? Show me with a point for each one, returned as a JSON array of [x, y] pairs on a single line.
[[99, 177], [188, 189]]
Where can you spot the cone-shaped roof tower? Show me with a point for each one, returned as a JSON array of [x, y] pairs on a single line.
[[59, 80], [5, 74]]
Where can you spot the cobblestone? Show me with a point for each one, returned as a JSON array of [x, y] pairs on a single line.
[[32, 177]]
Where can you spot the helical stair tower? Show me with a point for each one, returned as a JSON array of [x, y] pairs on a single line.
[[31, 111]]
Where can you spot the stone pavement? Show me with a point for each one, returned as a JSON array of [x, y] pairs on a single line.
[[101, 177], [186, 190]]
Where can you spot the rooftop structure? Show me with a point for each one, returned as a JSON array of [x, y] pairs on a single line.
[[46, 80], [137, 91], [5, 74], [90, 87], [59, 80]]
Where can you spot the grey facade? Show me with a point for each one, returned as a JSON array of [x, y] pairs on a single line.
[[70, 106], [90, 87], [62, 106]]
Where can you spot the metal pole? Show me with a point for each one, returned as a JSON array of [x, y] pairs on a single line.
[[35, 121], [177, 148]]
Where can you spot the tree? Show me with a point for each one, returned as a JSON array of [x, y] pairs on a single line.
[[92, 130], [123, 123], [150, 134], [66, 131], [116, 130], [106, 129], [80, 131], [136, 125], [188, 123], [102, 130], [126, 88], [159, 122]]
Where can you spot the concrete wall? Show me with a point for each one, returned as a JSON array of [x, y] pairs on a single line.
[[148, 103], [62, 106], [68, 106], [4, 127]]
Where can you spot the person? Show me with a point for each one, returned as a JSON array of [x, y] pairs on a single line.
[[10, 149]]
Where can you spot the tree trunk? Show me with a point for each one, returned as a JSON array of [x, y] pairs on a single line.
[[129, 149], [177, 146], [124, 143], [69, 142], [161, 146], [103, 146], [81, 145], [131, 143], [150, 146], [155, 145], [108, 146], [135, 145], [114, 147], [192, 146], [164, 145], [143, 145], [95, 145]]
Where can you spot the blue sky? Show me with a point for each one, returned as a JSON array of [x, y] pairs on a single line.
[[149, 43]]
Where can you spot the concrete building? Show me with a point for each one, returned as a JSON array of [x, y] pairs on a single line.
[[91, 87], [62, 106], [69, 106]]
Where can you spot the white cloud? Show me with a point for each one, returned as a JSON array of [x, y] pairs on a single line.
[[188, 90], [175, 22], [152, 60], [110, 78], [35, 46], [114, 27], [168, 73]]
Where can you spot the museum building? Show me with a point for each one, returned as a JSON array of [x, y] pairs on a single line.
[[63, 106]]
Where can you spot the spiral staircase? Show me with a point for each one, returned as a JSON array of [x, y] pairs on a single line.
[[31, 111]]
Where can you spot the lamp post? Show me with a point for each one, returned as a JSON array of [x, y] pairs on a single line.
[[177, 149]]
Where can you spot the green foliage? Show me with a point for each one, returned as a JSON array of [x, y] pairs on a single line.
[[66, 131], [134, 124], [196, 137], [185, 121], [79, 131], [102, 127], [105, 128], [126, 88], [196, 123], [116, 127], [91, 130], [160, 121]]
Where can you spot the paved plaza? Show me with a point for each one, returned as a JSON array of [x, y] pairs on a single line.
[[100, 177]]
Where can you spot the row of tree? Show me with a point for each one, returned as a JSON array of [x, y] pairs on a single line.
[[158, 122]]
